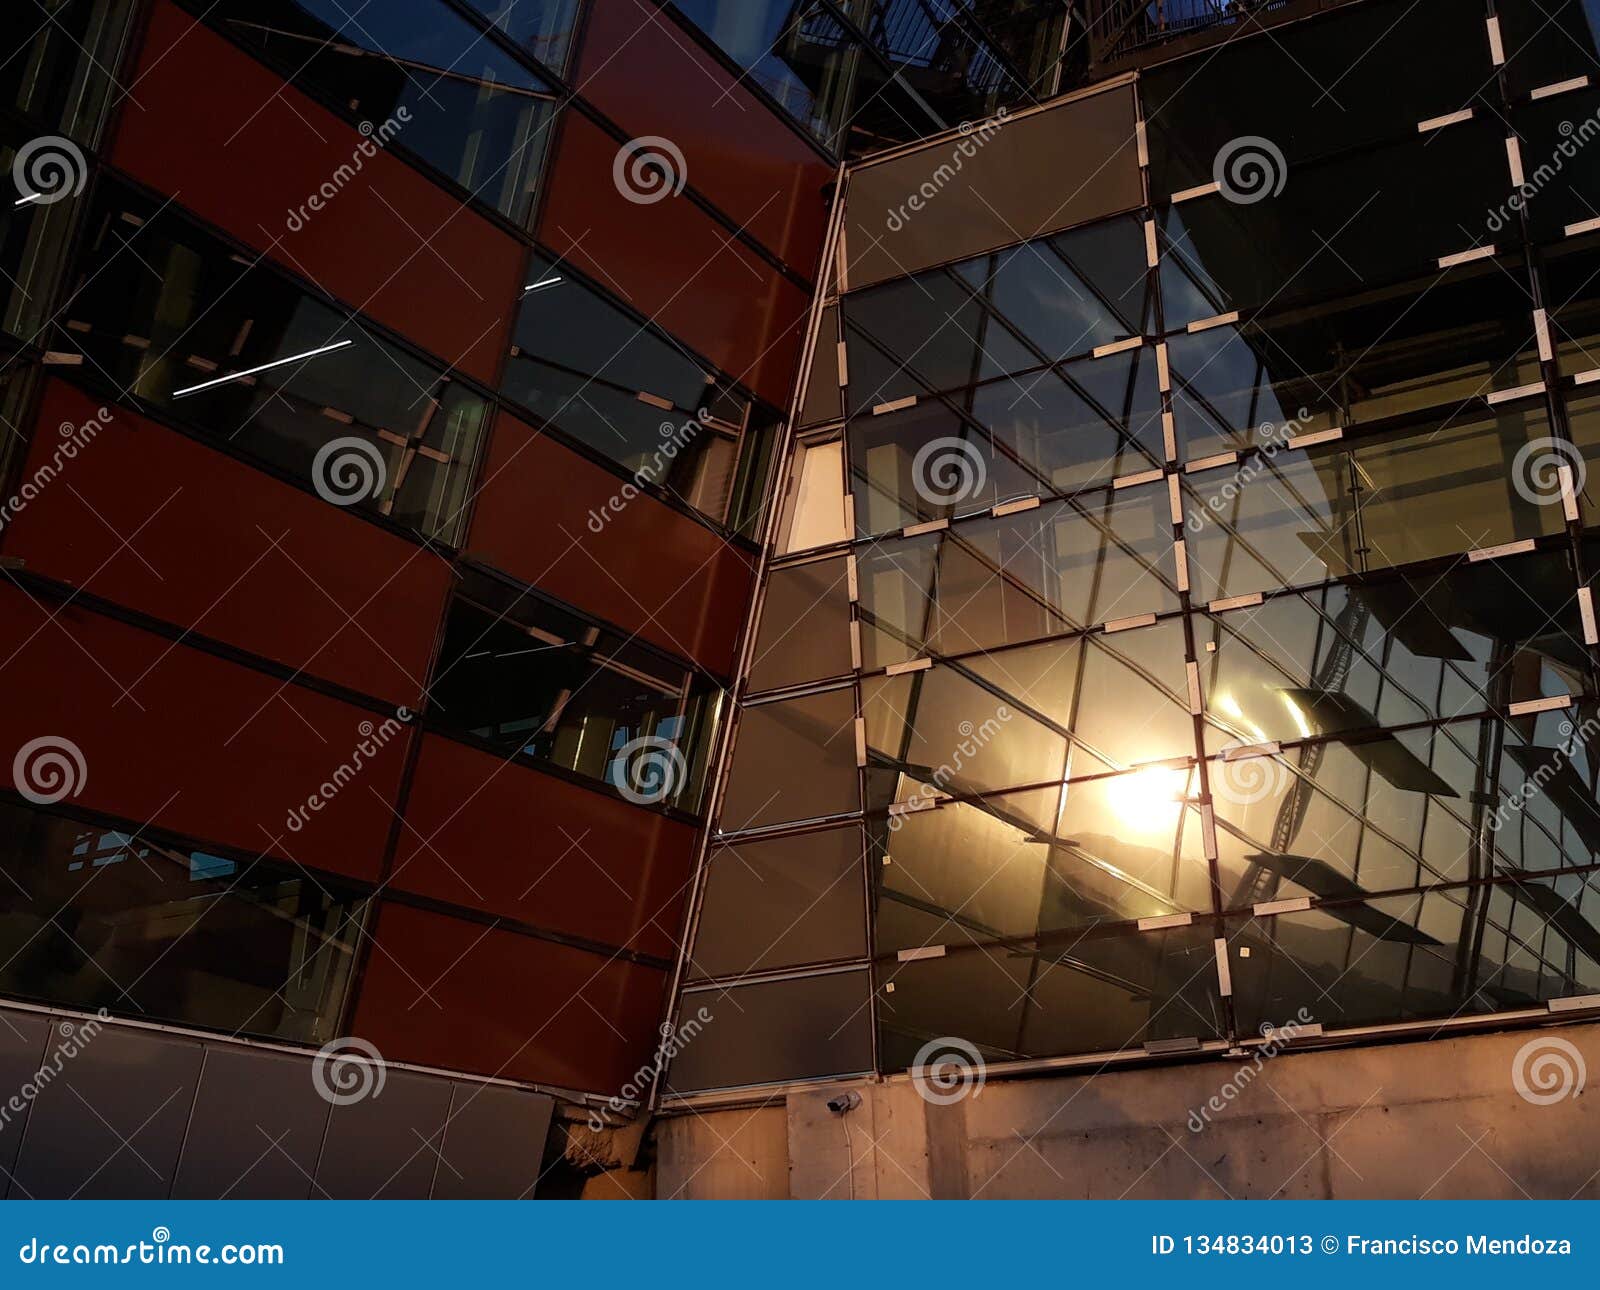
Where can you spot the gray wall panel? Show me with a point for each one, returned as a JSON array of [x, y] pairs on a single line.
[[492, 1144], [23, 1040], [110, 1126], [257, 1128], [386, 1146]]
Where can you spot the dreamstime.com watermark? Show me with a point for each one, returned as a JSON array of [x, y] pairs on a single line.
[[74, 438], [973, 139], [348, 1070], [49, 769], [947, 1069], [674, 1039], [160, 1249], [674, 439], [75, 1038], [373, 739], [1548, 1069], [1276, 1037], [47, 170], [973, 740], [649, 169], [1249, 169], [1274, 438], [374, 140], [1573, 140]]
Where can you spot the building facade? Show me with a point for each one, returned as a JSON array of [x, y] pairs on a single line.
[[761, 545]]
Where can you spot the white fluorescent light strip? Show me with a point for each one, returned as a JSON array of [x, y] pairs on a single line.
[[265, 367], [31, 197], [540, 286]]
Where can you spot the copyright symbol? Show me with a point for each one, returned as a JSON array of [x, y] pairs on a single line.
[[1330, 1244]]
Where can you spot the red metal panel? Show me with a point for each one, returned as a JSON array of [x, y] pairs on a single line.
[[193, 743], [648, 569], [643, 72], [508, 839], [441, 991], [154, 521], [245, 151], [673, 262]]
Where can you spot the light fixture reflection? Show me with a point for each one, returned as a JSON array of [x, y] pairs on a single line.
[[1148, 801]]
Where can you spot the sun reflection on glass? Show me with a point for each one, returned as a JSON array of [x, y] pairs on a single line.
[[1148, 801]]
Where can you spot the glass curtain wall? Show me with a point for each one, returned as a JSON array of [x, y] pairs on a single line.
[[1181, 617]]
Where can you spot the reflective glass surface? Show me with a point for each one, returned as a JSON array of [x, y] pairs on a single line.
[[545, 684], [170, 314], [475, 113], [92, 917]]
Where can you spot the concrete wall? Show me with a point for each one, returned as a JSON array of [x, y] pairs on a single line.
[[1442, 1118]]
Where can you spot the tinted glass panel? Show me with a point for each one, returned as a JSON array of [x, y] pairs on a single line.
[[793, 760], [1009, 311], [1052, 432], [991, 582], [1111, 849], [799, 54], [956, 198], [1444, 954], [780, 903], [1438, 341], [805, 626], [1295, 518], [57, 69], [1074, 993], [1548, 40], [1390, 652]]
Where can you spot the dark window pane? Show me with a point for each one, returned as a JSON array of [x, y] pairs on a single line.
[[1052, 432], [775, 1031], [543, 27], [805, 626], [1009, 311], [781, 903], [1439, 340], [169, 312], [824, 400], [581, 363], [1305, 87], [792, 761], [59, 64], [799, 54], [545, 684], [1558, 170], [1074, 993], [93, 917], [954, 199], [1338, 226], [33, 239], [1547, 41], [470, 110]]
